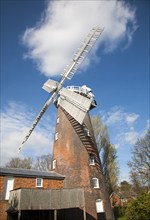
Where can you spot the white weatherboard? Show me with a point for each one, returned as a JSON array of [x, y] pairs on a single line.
[[75, 104]]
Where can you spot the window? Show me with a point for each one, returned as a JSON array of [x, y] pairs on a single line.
[[56, 136], [54, 164], [86, 131], [39, 182], [95, 182], [99, 206], [91, 159], [9, 186], [57, 120]]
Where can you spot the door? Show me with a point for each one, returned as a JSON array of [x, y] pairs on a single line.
[[9, 186]]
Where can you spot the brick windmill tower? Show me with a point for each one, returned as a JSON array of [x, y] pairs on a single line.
[[74, 153]]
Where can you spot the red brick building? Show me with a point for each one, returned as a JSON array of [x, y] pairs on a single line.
[[116, 200], [13, 179], [121, 199]]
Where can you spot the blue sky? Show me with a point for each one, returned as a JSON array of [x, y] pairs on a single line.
[[38, 39]]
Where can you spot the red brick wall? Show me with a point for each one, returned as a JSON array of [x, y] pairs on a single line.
[[3, 203], [53, 184], [115, 200], [20, 182], [1, 186], [3, 208]]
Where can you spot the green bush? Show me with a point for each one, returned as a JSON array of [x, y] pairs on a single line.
[[139, 209], [119, 211], [122, 218]]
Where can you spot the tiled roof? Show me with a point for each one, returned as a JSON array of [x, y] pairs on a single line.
[[30, 173]]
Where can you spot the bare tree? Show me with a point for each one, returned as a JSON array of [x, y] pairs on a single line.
[[39, 163], [43, 162], [16, 162], [140, 164]]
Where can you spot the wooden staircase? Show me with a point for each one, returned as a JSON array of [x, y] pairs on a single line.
[[87, 140]]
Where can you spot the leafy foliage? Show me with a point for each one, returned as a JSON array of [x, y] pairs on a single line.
[[125, 189], [119, 211], [108, 153], [100, 132], [139, 208]]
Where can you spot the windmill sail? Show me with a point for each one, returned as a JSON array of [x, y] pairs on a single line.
[[82, 52], [50, 85], [67, 74]]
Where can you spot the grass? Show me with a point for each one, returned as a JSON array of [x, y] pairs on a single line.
[[122, 218]]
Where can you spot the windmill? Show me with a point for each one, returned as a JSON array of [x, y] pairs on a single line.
[[75, 154], [72, 101]]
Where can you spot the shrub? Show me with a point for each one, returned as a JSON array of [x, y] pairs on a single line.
[[139, 208], [119, 211]]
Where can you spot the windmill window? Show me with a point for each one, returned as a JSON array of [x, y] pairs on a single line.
[[95, 182], [86, 131], [54, 164], [99, 206], [56, 136], [91, 159], [39, 182], [58, 120]]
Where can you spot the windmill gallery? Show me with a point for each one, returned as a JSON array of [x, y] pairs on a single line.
[[74, 189]]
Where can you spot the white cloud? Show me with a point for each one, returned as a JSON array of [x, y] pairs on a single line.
[[131, 118], [16, 119], [118, 117], [148, 124], [115, 116], [130, 137], [124, 176], [54, 40], [122, 126], [126, 137]]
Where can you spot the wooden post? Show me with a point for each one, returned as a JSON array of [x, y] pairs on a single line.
[[19, 214], [55, 214], [84, 213]]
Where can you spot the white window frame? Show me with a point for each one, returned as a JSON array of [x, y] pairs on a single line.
[[91, 160], [41, 182], [86, 131], [57, 120], [95, 182], [54, 164], [99, 206], [56, 136]]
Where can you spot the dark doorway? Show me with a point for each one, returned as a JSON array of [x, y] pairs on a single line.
[[32, 215], [72, 213], [101, 216], [62, 214]]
